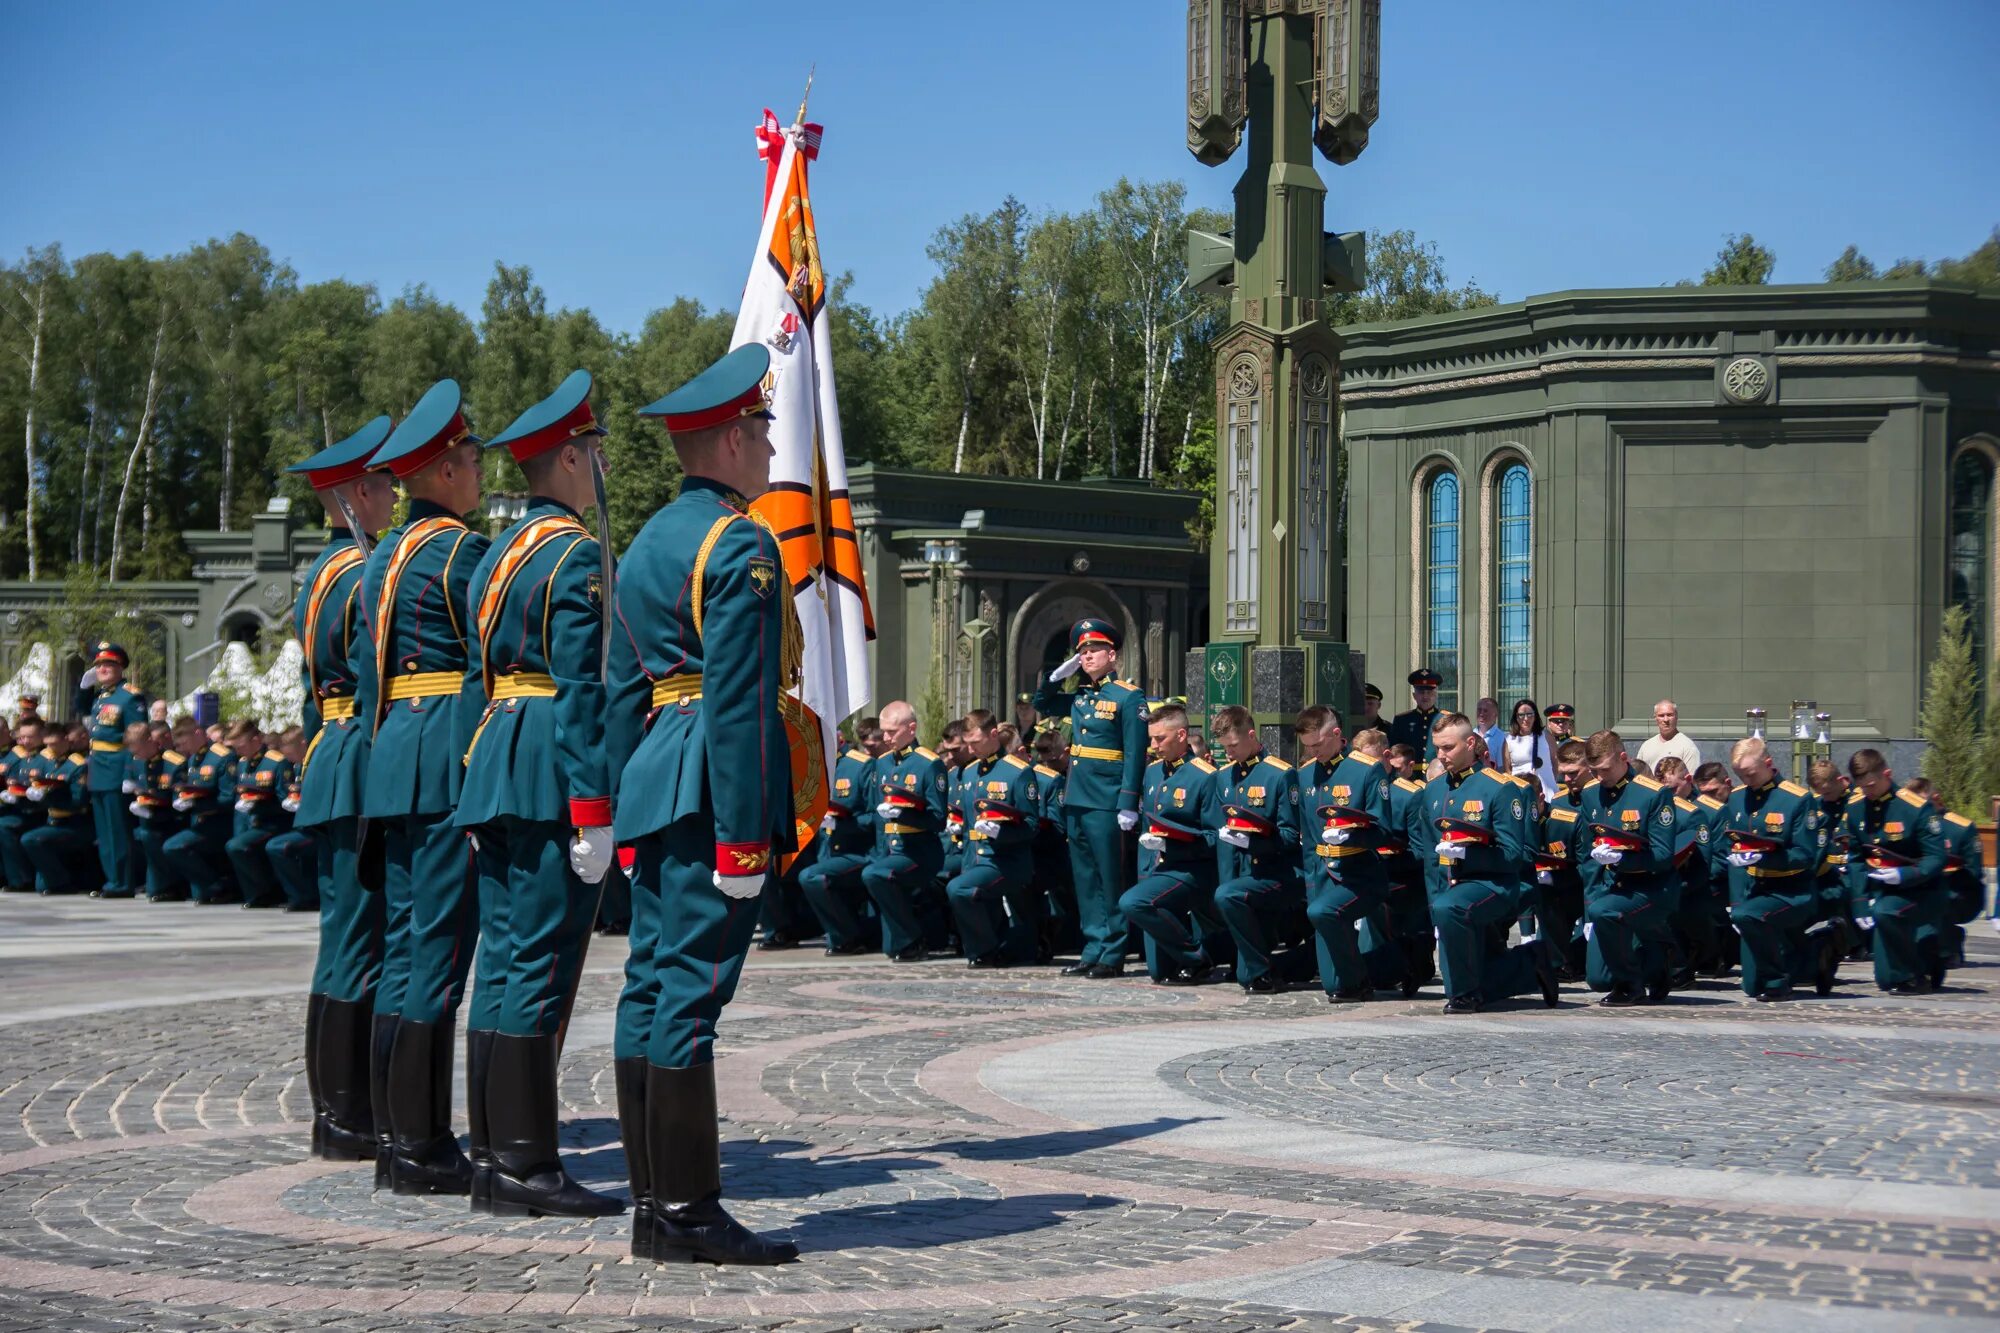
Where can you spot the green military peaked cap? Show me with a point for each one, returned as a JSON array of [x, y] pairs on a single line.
[[563, 416], [730, 389], [1092, 632], [344, 460], [434, 425]]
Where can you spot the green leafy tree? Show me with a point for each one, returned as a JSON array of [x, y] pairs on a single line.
[[1406, 279], [230, 289], [1741, 262], [513, 370], [1852, 266], [1950, 720], [91, 609]]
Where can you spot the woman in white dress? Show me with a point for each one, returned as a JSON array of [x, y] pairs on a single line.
[[1529, 752]]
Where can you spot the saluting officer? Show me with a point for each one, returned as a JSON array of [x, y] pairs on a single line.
[[1630, 887], [997, 872], [1107, 770], [348, 1036], [1413, 727], [832, 883], [1896, 854], [537, 801], [1257, 854], [704, 651], [415, 587], [1770, 848], [1177, 861], [114, 707], [912, 788]]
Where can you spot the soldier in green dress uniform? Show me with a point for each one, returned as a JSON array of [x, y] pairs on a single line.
[[832, 883], [199, 851], [150, 785], [348, 1037], [1413, 727], [1407, 937], [1178, 869], [18, 812], [705, 649], [260, 778], [1107, 770], [414, 587], [114, 706], [60, 850], [1630, 886], [1896, 852], [1770, 848], [989, 895], [294, 853], [537, 800], [1257, 852], [912, 787], [1964, 872], [1344, 818]]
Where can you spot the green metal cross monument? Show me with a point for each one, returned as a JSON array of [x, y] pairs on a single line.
[[1300, 74]]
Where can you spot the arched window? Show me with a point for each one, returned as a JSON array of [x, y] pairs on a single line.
[[1971, 550], [1441, 602], [1513, 599]]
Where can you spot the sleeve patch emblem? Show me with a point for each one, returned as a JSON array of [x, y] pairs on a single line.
[[1666, 815], [763, 575], [593, 587]]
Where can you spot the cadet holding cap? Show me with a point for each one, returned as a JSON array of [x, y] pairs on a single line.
[[1101, 797], [114, 707], [415, 589], [1177, 863], [1344, 799], [1771, 844], [1258, 856], [1413, 728], [999, 805], [706, 646], [348, 1036], [536, 798]]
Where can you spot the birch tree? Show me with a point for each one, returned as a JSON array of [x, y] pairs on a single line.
[[29, 298]]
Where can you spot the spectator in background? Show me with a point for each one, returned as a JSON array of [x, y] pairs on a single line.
[[157, 711], [1669, 740], [1527, 751], [1491, 732]]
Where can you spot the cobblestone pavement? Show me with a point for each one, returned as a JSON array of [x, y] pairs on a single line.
[[1025, 1152]]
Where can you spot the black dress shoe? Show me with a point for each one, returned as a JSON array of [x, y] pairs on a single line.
[[1461, 1004], [1350, 996], [1078, 969], [1618, 998], [1910, 988], [846, 950], [1264, 985], [1106, 971], [1545, 974], [1200, 974], [1771, 996], [778, 939], [914, 954], [987, 961]]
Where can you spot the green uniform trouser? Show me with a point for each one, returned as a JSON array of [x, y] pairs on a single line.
[[702, 938], [61, 854], [149, 845], [894, 881], [1161, 905], [632, 1029], [253, 867], [1631, 936], [981, 896], [352, 919], [16, 870], [1558, 916], [833, 889], [541, 914], [1336, 910], [1464, 914], [1399, 936], [427, 872], [294, 858], [1255, 909], [1908, 938], [1772, 924], [198, 852], [1096, 862], [110, 814]]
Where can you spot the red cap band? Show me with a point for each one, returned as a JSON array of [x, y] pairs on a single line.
[[590, 811]]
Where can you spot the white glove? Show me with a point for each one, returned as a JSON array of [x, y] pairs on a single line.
[[1451, 851], [140, 810], [291, 804], [38, 793], [1334, 837], [9, 797], [183, 803], [740, 886], [1887, 874], [1066, 668], [130, 787], [989, 828], [1152, 842], [1606, 856], [1128, 820], [885, 810], [1235, 837], [1742, 860], [244, 805], [1545, 877], [1865, 922], [590, 853], [827, 821]]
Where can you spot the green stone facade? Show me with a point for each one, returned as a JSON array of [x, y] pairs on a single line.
[[1736, 497]]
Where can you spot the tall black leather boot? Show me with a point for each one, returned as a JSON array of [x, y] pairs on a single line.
[[381, 1048], [478, 1054], [347, 1123], [630, 1077], [315, 1002], [427, 1159], [528, 1175], [684, 1154]]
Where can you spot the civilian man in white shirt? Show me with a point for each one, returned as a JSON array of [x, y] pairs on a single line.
[[1669, 741]]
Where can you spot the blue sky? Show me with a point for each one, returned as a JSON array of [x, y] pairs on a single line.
[[1542, 146]]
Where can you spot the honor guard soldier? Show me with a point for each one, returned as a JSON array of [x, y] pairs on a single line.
[[832, 883], [703, 654], [913, 789], [1413, 728], [1896, 854], [1177, 863], [1258, 855], [989, 895], [199, 852], [60, 849], [19, 813], [113, 707], [1107, 768], [1344, 817], [294, 853], [537, 801], [415, 587], [1771, 845], [261, 777], [1472, 835], [1630, 886], [348, 1037]]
